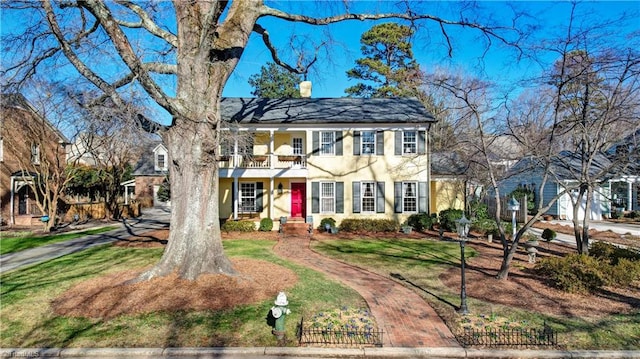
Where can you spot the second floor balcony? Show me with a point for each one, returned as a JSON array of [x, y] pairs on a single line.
[[264, 161]]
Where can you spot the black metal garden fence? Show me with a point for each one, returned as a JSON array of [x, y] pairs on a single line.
[[533, 337], [325, 336]]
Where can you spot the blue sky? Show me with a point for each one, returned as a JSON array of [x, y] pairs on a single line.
[[499, 64]]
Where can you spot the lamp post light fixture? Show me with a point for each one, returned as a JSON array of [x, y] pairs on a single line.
[[462, 226], [280, 188], [513, 206]]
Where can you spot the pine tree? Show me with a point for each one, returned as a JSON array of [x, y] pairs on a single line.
[[275, 82], [388, 68]]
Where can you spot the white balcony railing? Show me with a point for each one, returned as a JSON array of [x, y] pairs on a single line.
[[263, 161]]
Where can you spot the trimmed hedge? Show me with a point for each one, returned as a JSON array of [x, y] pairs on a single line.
[[239, 226], [369, 225]]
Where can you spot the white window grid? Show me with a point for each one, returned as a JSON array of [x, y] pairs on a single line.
[[327, 197], [409, 197], [247, 197], [409, 142], [368, 191], [160, 162], [368, 142], [297, 145], [327, 143]]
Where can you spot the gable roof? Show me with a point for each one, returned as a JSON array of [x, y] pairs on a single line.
[[567, 166], [343, 110], [17, 100], [447, 164]]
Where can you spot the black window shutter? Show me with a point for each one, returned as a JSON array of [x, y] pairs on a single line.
[[380, 143], [380, 198], [423, 197], [339, 197], [259, 196], [397, 197], [315, 139], [356, 197], [356, 143], [315, 197], [338, 135], [422, 142], [398, 143]]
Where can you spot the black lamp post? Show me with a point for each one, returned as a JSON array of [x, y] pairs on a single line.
[[463, 225]]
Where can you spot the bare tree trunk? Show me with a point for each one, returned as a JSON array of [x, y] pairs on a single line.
[[194, 244]]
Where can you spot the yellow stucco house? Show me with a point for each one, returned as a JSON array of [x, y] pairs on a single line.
[[325, 157], [313, 158]]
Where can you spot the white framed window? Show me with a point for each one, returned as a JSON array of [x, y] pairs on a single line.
[[296, 145], [327, 197], [247, 197], [409, 142], [1, 149], [35, 154], [409, 197], [368, 142], [368, 191], [161, 161], [327, 143]]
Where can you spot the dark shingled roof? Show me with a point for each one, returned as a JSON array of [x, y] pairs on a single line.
[[343, 110], [447, 164]]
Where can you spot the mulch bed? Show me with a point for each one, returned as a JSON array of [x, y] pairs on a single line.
[[109, 296]]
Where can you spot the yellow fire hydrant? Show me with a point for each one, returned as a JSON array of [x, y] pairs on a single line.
[[279, 311]]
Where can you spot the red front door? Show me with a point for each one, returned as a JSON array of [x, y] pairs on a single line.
[[298, 200]]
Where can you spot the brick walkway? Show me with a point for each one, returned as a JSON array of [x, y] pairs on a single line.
[[407, 320]]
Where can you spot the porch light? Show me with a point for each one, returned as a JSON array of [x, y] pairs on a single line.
[[280, 188]]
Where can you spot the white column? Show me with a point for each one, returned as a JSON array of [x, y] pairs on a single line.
[[235, 198], [271, 155], [273, 195]]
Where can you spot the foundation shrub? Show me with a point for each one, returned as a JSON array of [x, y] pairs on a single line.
[[239, 226], [266, 225], [323, 223], [369, 225], [422, 221], [448, 218]]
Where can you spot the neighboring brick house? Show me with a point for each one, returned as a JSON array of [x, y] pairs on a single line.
[[322, 157], [29, 145], [150, 172]]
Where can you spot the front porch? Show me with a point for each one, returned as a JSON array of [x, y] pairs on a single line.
[[254, 198]]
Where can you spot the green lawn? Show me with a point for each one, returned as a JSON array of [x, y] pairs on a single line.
[[27, 319], [420, 262], [10, 244]]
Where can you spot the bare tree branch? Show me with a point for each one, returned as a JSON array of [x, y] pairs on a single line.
[[147, 23]]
